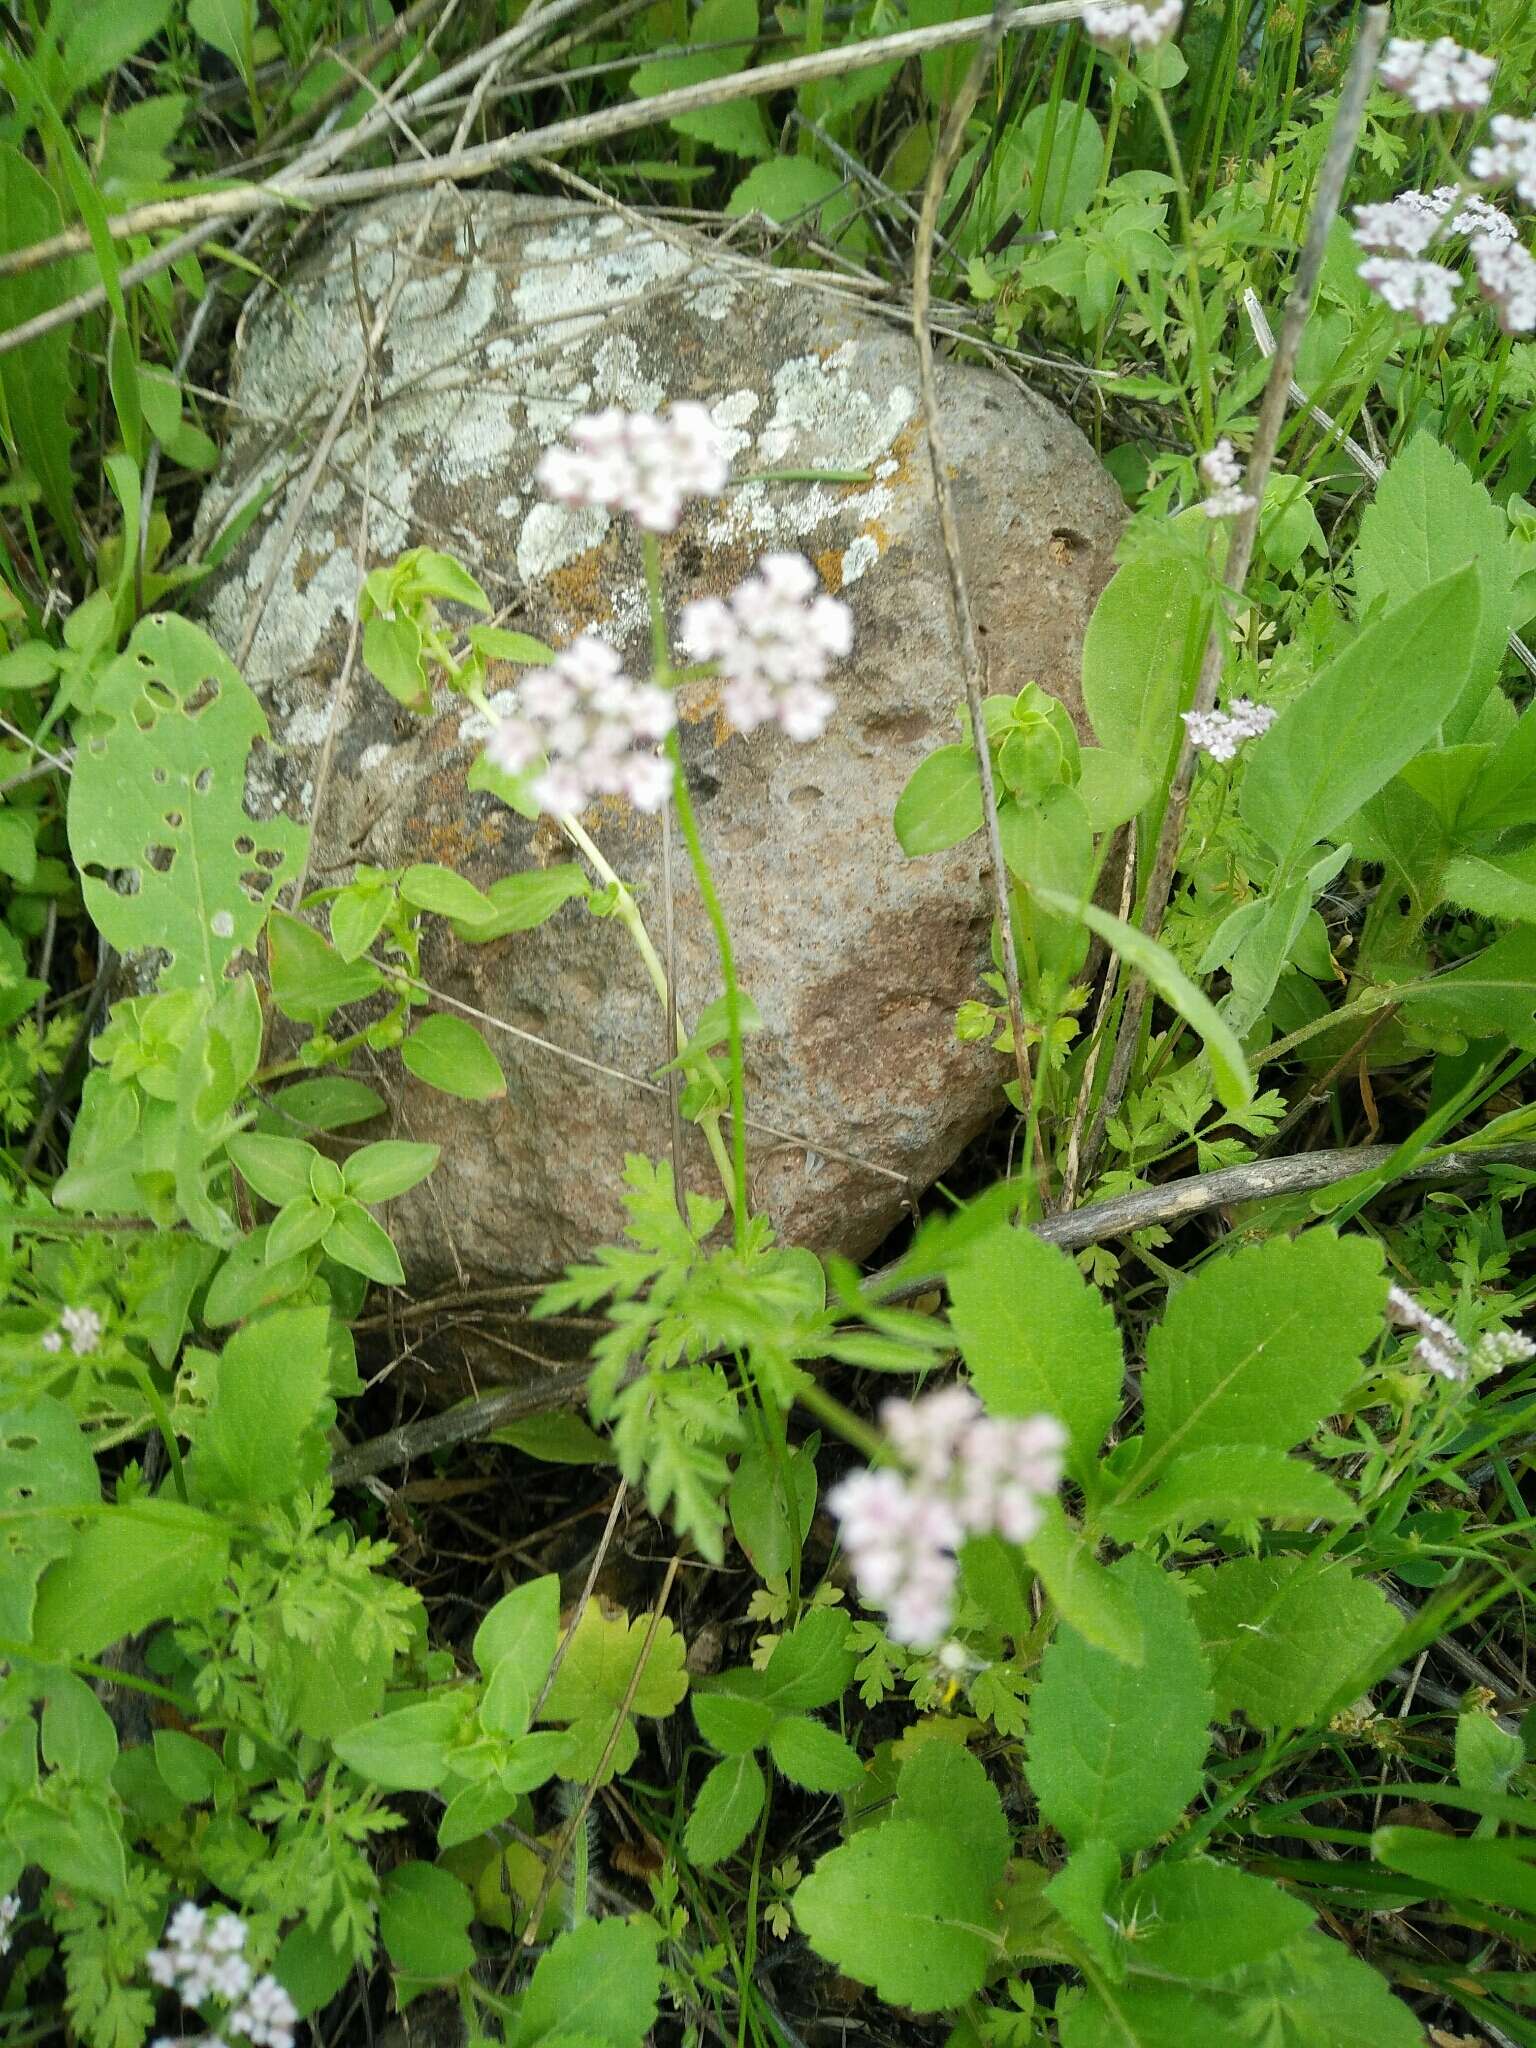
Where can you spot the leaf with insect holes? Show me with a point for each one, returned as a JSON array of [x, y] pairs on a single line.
[[1285, 1640], [158, 794]]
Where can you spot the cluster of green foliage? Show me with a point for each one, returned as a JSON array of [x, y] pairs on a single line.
[[1093, 1819]]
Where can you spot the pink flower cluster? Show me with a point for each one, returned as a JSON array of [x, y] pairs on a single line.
[[1400, 230], [1141, 23], [773, 640], [1221, 733], [638, 463], [1510, 159], [598, 728], [1223, 475], [970, 1474], [1439, 77]]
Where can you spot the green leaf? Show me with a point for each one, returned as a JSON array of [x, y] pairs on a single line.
[[1427, 517], [1505, 792], [1201, 1919], [1065, 154], [1500, 1873], [1364, 716], [811, 1665], [227, 25], [561, 1438], [449, 1054], [1285, 1640], [262, 1436], [37, 380], [942, 1785], [18, 846], [911, 1908], [731, 1715], [771, 1528], [309, 1969], [101, 38], [791, 188], [594, 1679], [1501, 885], [45, 1464], [1036, 1337], [445, 892], [814, 1756], [329, 1103], [725, 1810], [598, 1984], [78, 1736], [406, 1751], [354, 1239], [276, 1168], [1085, 1593], [146, 1561], [1258, 1347], [81, 1849], [941, 804], [391, 1167], [1116, 1751], [1113, 787], [1234, 1485], [357, 916], [1143, 642], [1229, 1070], [522, 1629], [1491, 996], [158, 792], [519, 903], [310, 979], [424, 1916], [1080, 1892]]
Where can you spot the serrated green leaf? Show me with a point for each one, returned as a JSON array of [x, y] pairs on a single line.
[[134, 1564], [909, 1908], [262, 1436], [159, 792], [1259, 1347], [1501, 885], [424, 1916], [813, 1756], [725, 1810], [1116, 1751], [599, 1984], [1285, 1640], [731, 1719], [1199, 1918], [1080, 1894], [449, 1054], [1491, 996], [1085, 1593], [1037, 1338], [811, 1664], [1235, 1484]]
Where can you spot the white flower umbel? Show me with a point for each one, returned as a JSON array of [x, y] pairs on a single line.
[[1426, 290], [773, 640], [970, 1474], [83, 1327], [1439, 77], [1221, 733], [202, 1959], [1510, 159], [1223, 475], [639, 463], [10, 1910], [597, 728], [1506, 277], [1404, 226], [1112, 23], [1470, 214], [268, 2016]]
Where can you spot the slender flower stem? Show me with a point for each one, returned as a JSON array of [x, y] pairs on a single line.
[[689, 827]]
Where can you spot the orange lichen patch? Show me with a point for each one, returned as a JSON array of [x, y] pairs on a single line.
[[697, 702], [829, 566], [454, 842], [578, 589]]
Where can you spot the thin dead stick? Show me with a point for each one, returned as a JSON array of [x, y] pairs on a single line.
[[564, 1644], [1277, 392], [1176, 1201], [238, 202], [970, 654], [557, 1862]]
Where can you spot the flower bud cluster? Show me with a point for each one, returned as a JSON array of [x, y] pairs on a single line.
[[1439, 77], [1141, 23], [1223, 474], [638, 463], [773, 640], [598, 728], [1439, 1349], [970, 1474], [202, 1959], [1221, 733]]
